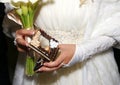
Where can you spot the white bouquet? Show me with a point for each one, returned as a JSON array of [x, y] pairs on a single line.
[[25, 11], [23, 14]]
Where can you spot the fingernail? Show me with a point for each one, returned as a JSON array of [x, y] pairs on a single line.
[[39, 69], [27, 44], [33, 32], [44, 64]]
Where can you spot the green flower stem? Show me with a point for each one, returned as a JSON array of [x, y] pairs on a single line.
[[26, 11], [23, 21], [27, 22], [30, 63], [31, 16]]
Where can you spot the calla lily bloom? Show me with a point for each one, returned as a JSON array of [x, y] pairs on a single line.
[[25, 9]]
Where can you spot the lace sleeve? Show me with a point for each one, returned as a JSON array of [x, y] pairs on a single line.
[[91, 47]]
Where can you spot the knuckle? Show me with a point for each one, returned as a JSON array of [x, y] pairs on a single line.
[[55, 63]]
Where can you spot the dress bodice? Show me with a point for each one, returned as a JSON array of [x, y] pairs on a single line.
[[64, 20]]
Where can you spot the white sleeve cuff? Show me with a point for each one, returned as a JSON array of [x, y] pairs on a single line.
[[91, 47]]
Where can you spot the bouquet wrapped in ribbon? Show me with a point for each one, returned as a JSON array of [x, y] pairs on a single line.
[[23, 13]]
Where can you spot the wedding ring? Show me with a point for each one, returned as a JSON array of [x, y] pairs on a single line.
[[18, 37], [63, 65]]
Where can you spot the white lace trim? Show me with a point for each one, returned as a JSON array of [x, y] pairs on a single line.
[[67, 37]]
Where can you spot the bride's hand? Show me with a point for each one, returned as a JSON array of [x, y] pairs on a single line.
[[67, 52], [21, 44]]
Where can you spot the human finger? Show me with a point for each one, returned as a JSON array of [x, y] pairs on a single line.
[[25, 32], [55, 63], [22, 45], [49, 69], [21, 41], [20, 49]]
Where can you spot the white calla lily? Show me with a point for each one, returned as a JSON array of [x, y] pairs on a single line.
[[33, 1], [5, 1], [25, 10], [25, 1]]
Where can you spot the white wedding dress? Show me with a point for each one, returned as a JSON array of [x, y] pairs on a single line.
[[89, 26]]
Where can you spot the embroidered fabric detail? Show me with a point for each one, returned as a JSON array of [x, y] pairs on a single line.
[[67, 37]]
